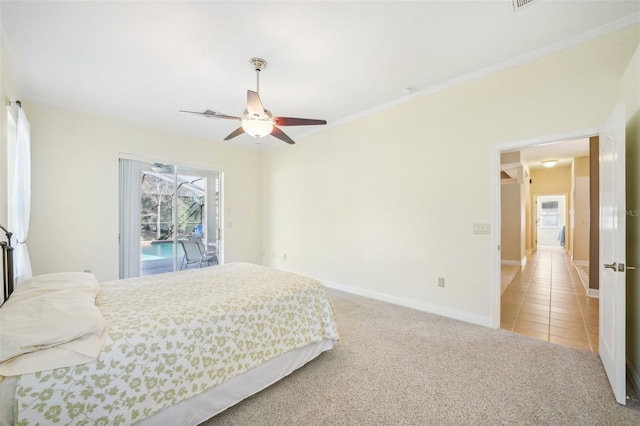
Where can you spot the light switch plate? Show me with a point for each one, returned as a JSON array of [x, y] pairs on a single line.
[[481, 228]]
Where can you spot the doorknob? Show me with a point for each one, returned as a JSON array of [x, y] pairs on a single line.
[[613, 266]]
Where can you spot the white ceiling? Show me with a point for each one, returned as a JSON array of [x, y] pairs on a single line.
[[561, 151], [144, 61]]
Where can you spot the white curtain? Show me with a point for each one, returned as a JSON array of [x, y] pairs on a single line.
[[129, 218], [20, 197]]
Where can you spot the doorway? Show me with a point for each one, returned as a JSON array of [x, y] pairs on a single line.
[[546, 298]]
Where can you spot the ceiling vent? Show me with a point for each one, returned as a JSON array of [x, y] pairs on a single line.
[[519, 4]]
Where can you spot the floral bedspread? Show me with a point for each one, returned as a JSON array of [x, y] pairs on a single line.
[[175, 335]]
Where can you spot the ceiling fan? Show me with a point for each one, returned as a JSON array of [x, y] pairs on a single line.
[[256, 120]]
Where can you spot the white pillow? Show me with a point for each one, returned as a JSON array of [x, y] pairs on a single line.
[[51, 321], [59, 281]]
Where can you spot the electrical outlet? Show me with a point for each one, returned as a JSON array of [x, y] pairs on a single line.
[[440, 282], [284, 256]]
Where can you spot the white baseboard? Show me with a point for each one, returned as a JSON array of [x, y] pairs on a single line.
[[585, 285], [593, 292], [420, 306], [581, 262], [522, 262], [634, 377]]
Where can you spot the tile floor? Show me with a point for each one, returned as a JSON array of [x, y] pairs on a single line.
[[546, 300]]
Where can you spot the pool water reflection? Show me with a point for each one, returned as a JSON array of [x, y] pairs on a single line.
[[157, 250], [156, 257]]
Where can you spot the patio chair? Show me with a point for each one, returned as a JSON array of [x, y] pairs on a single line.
[[207, 255], [192, 254]]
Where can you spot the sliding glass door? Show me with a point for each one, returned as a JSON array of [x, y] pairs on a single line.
[[177, 213]]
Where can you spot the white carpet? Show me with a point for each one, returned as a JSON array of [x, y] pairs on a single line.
[[397, 366]]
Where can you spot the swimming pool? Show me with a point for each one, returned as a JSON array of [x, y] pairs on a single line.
[[158, 250]]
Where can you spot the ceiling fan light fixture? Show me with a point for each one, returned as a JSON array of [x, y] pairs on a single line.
[[258, 121], [257, 128], [549, 163]]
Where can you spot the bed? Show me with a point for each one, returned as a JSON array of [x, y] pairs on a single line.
[[177, 348]]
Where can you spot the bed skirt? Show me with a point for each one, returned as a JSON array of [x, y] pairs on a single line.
[[203, 406]]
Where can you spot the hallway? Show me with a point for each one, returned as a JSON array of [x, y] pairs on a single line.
[[546, 300]]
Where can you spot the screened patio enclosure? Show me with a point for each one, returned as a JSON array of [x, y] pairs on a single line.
[[164, 204]]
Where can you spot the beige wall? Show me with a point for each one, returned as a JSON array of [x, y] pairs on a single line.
[[74, 213], [581, 166], [512, 226], [554, 180], [512, 209], [630, 93], [384, 208], [580, 211]]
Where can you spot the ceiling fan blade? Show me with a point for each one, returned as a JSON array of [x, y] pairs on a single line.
[[212, 114], [236, 132], [281, 135], [254, 105], [290, 121]]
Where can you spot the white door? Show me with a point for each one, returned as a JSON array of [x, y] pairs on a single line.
[[612, 252]]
